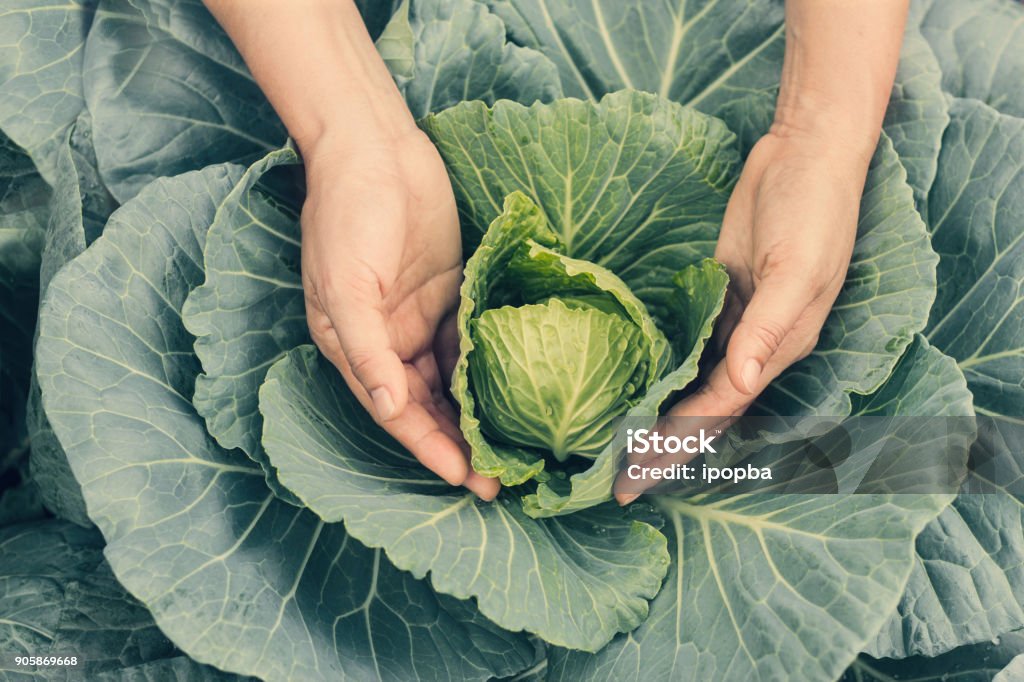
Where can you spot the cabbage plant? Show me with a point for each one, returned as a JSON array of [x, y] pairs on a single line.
[[225, 507]]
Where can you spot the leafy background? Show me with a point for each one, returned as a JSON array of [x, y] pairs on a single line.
[[178, 503]]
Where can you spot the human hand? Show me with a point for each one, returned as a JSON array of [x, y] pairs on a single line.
[[381, 267], [786, 240]]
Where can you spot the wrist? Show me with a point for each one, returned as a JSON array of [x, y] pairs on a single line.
[[348, 96], [840, 127]]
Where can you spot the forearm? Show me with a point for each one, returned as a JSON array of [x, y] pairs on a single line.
[[840, 62], [318, 67]]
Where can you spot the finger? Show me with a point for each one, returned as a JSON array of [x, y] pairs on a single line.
[[426, 365], [485, 488], [421, 434], [360, 325], [773, 311], [731, 313], [447, 419], [419, 431]]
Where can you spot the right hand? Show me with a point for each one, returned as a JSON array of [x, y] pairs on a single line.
[[381, 268]]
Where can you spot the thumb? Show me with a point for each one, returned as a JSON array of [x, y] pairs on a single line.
[[773, 311], [361, 326]]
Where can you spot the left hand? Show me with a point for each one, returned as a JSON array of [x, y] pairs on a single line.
[[786, 241]]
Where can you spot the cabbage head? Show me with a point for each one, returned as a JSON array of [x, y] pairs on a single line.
[[555, 349]]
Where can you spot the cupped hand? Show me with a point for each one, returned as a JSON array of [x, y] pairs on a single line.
[[786, 241], [381, 268]]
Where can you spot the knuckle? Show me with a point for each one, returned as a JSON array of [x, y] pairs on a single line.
[[360, 360], [766, 332]]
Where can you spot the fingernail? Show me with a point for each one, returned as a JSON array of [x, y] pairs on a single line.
[[626, 498], [750, 374], [383, 403]]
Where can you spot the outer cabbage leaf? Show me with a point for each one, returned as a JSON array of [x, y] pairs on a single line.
[[249, 311], [59, 597], [998, 660], [233, 576], [41, 58], [79, 208], [723, 57], [720, 56], [1014, 670], [764, 587], [575, 580], [177, 669], [976, 217], [820, 573], [917, 113], [169, 93], [968, 583], [977, 45], [889, 288], [633, 183], [442, 52]]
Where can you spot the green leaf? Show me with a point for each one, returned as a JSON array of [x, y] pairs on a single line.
[[966, 585], [442, 52], [766, 587], [578, 161], [917, 113], [80, 207], [977, 45], [59, 597], [249, 311], [178, 669], [721, 56], [233, 576], [1014, 670], [998, 660], [169, 93], [574, 580], [976, 218], [41, 58], [889, 288]]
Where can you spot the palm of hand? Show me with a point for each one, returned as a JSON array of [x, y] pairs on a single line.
[[786, 240], [382, 264]]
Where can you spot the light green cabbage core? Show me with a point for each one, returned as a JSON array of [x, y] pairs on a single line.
[[555, 376]]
